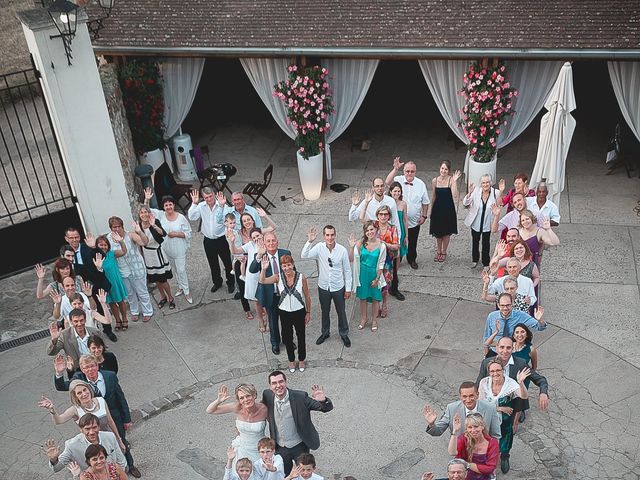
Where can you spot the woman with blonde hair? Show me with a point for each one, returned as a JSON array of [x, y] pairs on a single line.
[[476, 446], [251, 418], [83, 400]]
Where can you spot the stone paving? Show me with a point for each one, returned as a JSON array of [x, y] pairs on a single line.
[[172, 366]]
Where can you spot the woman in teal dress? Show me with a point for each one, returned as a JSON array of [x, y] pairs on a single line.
[[368, 256], [118, 294], [523, 348]]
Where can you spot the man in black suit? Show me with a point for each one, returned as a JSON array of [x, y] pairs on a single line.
[[83, 265], [268, 295], [105, 384], [289, 416]]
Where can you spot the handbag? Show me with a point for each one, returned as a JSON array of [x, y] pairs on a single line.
[[612, 151]]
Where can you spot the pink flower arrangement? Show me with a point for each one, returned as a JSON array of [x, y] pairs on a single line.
[[309, 103], [488, 96]]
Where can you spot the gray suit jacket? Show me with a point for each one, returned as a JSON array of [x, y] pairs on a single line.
[[67, 342], [75, 447], [518, 364], [301, 406], [486, 409]]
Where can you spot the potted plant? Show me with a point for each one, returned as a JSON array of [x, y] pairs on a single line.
[[308, 100], [142, 95], [488, 102]]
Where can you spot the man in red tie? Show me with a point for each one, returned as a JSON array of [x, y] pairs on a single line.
[[414, 192], [267, 295]]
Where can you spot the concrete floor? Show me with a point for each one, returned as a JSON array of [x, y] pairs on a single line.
[[430, 343]]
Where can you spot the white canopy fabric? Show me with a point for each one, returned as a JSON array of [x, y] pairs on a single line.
[[625, 78], [350, 80], [180, 79], [533, 80], [264, 74], [556, 130], [444, 79]]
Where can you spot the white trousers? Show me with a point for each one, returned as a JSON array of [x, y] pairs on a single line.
[[179, 266], [138, 295]]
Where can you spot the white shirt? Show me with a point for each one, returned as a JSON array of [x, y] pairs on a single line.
[[260, 471], [65, 309], [525, 287], [99, 383], [78, 256], [416, 196], [331, 276], [211, 228], [82, 342], [354, 212], [510, 220], [549, 209]]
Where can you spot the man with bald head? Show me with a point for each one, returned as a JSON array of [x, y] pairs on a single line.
[[267, 295], [541, 206], [414, 192]]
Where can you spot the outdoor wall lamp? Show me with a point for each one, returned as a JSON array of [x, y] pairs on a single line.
[[97, 24], [64, 15]]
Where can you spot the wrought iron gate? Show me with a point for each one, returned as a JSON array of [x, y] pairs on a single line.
[[36, 199]]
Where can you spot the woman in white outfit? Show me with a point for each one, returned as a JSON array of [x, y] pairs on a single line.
[[480, 219], [251, 418], [178, 240]]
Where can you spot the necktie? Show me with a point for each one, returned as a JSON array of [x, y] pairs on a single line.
[[275, 265], [505, 332], [279, 405], [96, 390], [409, 183]]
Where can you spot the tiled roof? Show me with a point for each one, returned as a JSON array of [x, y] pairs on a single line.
[[382, 24]]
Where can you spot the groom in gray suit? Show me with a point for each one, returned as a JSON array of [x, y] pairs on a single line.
[[289, 415], [467, 404]]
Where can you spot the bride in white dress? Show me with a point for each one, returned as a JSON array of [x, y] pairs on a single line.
[[251, 418]]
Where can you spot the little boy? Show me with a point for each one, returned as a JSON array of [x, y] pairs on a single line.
[[304, 468], [244, 469], [269, 466]]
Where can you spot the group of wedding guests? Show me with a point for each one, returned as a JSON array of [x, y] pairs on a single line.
[[94, 280]]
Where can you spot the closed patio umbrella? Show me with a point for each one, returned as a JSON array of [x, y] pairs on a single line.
[[556, 130]]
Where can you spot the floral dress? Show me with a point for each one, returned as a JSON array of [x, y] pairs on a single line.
[[390, 236]]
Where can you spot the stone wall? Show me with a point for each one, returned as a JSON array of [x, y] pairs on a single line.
[[121, 131]]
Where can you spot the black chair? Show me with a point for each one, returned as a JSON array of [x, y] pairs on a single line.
[[626, 158], [255, 190], [165, 184]]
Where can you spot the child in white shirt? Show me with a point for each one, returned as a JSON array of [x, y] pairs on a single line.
[[304, 468], [244, 468], [269, 466]]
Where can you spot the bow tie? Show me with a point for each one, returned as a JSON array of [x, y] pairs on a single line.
[[409, 183]]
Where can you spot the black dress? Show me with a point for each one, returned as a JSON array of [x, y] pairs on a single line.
[[444, 220]]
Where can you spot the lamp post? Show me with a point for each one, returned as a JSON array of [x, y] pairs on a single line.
[[64, 15]]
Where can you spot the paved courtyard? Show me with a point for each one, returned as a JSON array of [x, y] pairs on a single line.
[[429, 344]]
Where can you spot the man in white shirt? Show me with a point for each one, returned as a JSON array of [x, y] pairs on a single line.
[[541, 207], [215, 241], [239, 207], [74, 448], [334, 279], [414, 192], [525, 284], [378, 199]]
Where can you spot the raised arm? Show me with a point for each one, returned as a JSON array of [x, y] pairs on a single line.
[[454, 186], [138, 236], [216, 407], [67, 415], [546, 234], [194, 212], [468, 198], [123, 245], [355, 205], [106, 318], [521, 376], [264, 264], [453, 441], [362, 215], [41, 291], [397, 166], [270, 224], [307, 250]]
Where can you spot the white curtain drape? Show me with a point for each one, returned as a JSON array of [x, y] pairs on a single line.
[[180, 79], [264, 74], [556, 130], [533, 80], [350, 81], [444, 79], [625, 78]]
